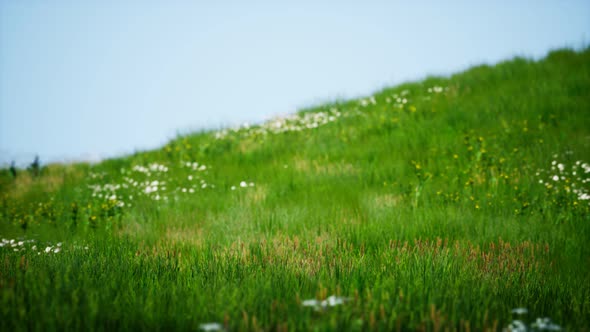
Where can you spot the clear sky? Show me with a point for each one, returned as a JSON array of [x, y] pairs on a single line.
[[89, 79]]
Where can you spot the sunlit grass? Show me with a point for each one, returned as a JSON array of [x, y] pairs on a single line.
[[453, 203]]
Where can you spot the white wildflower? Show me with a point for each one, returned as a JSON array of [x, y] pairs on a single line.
[[520, 311], [210, 327], [517, 326], [545, 324], [331, 301], [311, 303]]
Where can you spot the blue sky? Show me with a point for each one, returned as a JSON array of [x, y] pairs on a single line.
[[95, 79]]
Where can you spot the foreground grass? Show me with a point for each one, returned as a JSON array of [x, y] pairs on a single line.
[[439, 204]]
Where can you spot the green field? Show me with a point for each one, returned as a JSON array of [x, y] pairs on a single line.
[[435, 205]]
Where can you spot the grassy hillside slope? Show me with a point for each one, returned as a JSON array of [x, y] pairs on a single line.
[[444, 203]]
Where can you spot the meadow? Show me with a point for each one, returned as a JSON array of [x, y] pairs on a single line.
[[454, 203]]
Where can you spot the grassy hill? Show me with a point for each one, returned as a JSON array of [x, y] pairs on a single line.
[[445, 203]]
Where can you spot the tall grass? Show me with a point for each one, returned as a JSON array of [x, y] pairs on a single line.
[[439, 204]]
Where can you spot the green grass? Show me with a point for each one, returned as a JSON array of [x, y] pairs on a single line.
[[430, 205]]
